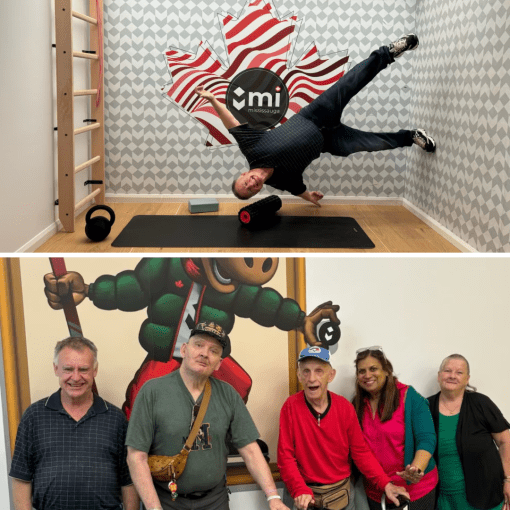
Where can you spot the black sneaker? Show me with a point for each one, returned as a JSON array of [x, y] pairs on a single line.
[[405, 43], [423, 140]]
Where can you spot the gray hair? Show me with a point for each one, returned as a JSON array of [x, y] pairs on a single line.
[[234, 191], [76, 343], [461, 358]]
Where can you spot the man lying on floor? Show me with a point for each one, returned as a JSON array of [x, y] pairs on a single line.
[[279, 157]]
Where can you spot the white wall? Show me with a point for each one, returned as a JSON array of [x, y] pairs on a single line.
[[420, 310], [28, 144], [26, 130]]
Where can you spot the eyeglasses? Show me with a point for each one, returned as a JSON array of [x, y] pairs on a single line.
[[373, 348]]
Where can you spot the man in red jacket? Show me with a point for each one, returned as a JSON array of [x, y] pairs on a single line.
[[318, 432]]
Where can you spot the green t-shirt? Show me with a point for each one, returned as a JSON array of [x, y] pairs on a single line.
[[161, 422]]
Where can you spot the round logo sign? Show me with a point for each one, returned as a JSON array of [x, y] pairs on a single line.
[[259, 97], [328, 333]]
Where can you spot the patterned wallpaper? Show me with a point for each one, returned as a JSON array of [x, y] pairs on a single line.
[[153, 147], [461, 93], [456, 85]]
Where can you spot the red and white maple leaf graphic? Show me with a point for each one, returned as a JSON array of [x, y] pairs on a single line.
[[257, 39]]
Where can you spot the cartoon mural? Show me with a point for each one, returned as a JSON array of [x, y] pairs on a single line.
[[180, 292], [257, 40]]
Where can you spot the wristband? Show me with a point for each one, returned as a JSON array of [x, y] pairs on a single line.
[[273, 497]]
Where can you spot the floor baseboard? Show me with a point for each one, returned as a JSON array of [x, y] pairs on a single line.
[[111, 197], [440, 229]]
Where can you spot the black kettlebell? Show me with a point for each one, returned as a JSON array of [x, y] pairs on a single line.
[[98, 228]]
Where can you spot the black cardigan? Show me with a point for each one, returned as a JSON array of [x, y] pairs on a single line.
[[479, 455]]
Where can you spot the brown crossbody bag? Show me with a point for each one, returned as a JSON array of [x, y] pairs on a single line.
[[167, 469]]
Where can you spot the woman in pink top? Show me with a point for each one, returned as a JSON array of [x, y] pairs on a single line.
[[398, 427]]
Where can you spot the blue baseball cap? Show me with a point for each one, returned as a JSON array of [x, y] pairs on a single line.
[[314, 352]]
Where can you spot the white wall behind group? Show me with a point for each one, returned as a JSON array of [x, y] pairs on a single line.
[[420, 310]]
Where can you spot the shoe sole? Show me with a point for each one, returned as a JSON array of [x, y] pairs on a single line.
[[427, 140]]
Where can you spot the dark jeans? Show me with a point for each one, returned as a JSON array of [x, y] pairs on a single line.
[[326, 111]]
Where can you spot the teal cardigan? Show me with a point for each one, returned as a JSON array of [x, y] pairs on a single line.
[[420, 433]]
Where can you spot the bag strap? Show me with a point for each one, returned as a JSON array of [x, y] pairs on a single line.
[[200, 418]]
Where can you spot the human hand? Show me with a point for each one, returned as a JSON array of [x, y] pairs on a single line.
[[411, 474], [58, 290], [209, 96], [315, 196], [393, 491], [325, 311], [277, 504], [302, 501], [506, 494]]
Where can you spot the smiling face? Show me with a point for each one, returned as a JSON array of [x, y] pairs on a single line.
[[249, 183], [201, 356], [315, 375], [75, 371], [454, 377], [370, 375]]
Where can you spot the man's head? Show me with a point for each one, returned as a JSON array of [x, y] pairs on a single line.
[[75, 365], [315, 372], [208, 344], [248, 184]]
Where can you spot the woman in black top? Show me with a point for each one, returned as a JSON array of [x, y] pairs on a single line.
[[473, 473]]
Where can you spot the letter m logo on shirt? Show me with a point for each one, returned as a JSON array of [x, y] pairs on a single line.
[[203, 439]]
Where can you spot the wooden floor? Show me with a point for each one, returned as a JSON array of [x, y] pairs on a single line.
[[393, 229]]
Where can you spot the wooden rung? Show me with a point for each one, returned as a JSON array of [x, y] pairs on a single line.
[[88, 92], [90, 56], [84, 129], [88, 163], [88, 19], [88, 198]]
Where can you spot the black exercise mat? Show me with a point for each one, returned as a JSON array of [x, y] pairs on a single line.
[[227, 232]]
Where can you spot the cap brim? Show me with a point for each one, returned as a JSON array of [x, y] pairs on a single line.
[[311, 356]]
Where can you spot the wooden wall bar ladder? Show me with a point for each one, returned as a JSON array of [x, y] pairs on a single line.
[[65, 108]]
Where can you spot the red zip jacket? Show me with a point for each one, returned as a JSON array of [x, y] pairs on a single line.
[[313, 453]]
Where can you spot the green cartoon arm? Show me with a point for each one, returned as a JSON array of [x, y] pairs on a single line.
[[267, 307], [132, 289]]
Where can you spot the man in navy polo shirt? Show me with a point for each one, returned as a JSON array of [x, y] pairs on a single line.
[[70, 452]]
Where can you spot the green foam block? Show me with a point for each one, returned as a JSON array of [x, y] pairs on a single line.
[[198, 205]]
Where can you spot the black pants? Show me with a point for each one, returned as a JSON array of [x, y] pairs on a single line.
[[217, 499], [326, 111]]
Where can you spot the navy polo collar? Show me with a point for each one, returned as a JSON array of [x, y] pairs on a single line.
[[55, 402]]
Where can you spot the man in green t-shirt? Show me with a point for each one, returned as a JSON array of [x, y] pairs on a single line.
[[162, 418]]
